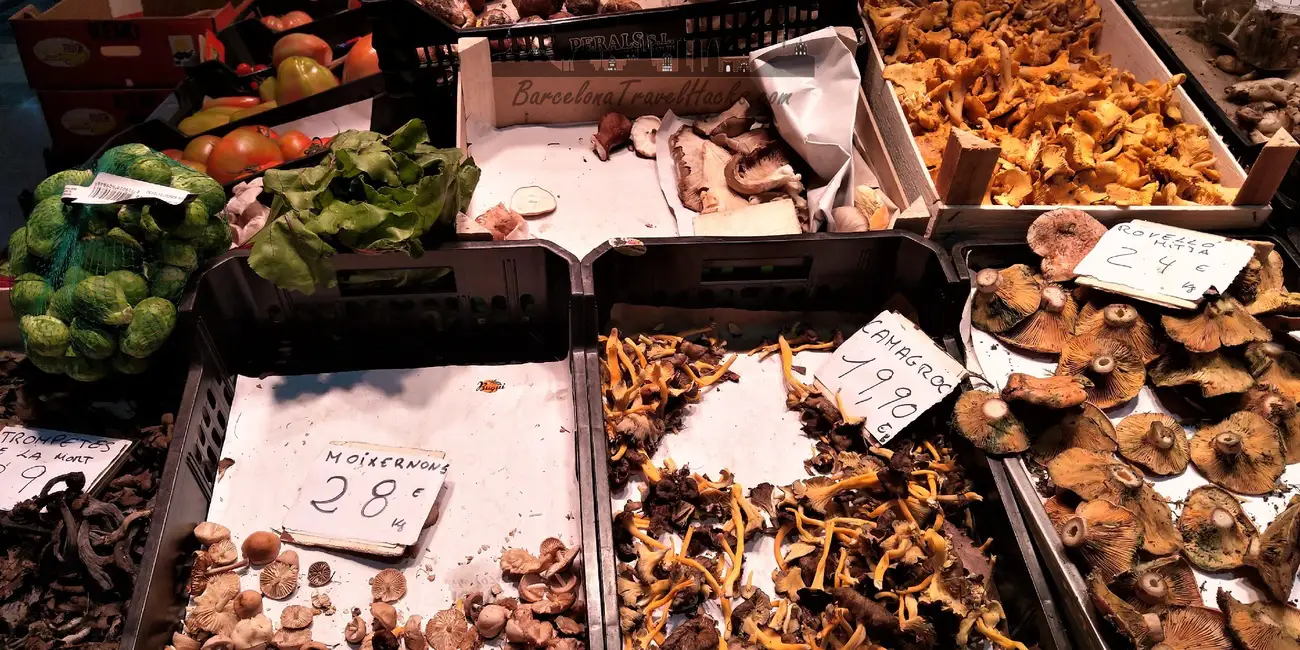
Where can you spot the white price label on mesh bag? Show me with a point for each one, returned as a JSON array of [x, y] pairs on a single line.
[[107, 188], [29, 458], [1162, 264], [889, 372], [368, 493]]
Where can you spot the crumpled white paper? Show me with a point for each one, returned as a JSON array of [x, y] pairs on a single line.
[[244, 213], [667, 171]]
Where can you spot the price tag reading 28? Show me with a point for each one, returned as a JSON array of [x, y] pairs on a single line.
[[369, 493], [889, 372]]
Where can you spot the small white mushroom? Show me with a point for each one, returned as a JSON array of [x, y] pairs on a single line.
[[644, 135], [532, 201]]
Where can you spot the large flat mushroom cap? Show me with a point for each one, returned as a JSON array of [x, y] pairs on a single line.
[[1105, 534], [1082, 427], [1155, 441], [1047, 329], [1261, 625], [1195, 628], [1120, 323], [1116, 372], [984, 419], [1215, 372], [1274, 365], [1277, 556], [1004, 298], [1093, 475], [1144, 630], [1054, 392], [1216, 532], [1271, 404], [1060, 507], [1221, 322], [1242, 453], [1063, 237], [1161, 582]]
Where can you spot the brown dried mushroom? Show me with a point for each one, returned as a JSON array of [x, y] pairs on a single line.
[[296, 617], [1242, 453], [261, 547], [517, 561], [1005, 298], [1144, 630], [448, 630], [613, 130], [356, 630], [1261, 625], [1063, 237], [1105, 534], [1194, 628], [1055, 392], [1269, 403], [731, 122], [413, 634], [1047, 329], [764, 170], [279, 579], [388, 585], [319, 574], [1221, 322], [1275, 555], [984, 419], [1217, 533], [1117, 323], [1154, 441], [1116, 372], [248, 604], [1161, 582], [1094, 475], [1082, 427], [1274, 365], [383, 616], [251, 633], [210, 532], [491, 621], [1215, 372]]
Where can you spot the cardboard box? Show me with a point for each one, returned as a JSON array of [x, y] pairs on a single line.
[[80, 121], [117, 43]]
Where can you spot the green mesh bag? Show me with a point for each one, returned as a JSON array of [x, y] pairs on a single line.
[[96, 285]]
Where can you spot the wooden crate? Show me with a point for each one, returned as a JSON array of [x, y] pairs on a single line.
[[489, 96], [969, 162]]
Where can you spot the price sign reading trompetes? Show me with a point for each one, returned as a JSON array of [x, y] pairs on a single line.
[[29, 458], [1163, 264], [889, 372], [367, 497]]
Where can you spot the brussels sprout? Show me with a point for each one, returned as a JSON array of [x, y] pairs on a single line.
[[73, 275], [133, 285], [149, 329], [19, 260], [53, 186], [45, 335], [194, 221], [101, 255], [151, 170], [149, 226], [30, 295], [82, 368], [100, 218], [102, 301], [209, 192], [91, 341], [46, 224], [61, 303], [179, 254], [168, 282], [51, 365], [129, 365], [215, 240], [128, 216], [127, 151], [119, 236]]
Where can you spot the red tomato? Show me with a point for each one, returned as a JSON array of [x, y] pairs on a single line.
[[174, 154], [361, 61], [294, 144], [241, 153], [264, 131], [294, 19], [237, 102], [199, 148], [243, 68], [273, 23]]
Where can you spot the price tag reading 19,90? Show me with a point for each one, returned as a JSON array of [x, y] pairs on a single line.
[[889, 372], [368, 493]]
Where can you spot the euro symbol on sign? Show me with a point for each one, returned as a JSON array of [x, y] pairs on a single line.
[[417, 492]]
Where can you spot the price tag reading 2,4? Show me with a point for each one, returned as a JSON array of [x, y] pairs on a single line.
[[889, 372], [368, 493]]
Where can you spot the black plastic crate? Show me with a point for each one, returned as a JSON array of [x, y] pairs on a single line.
[[510, 302], [247, 40], [843, 273]]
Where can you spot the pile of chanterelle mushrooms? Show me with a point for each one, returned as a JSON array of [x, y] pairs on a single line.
[[1023, 74], [875, 550], [1241, 386], [548, 613]]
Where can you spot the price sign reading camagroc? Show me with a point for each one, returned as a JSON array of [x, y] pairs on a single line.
[[1162, 264], [889, 372], [367, 497], [29, 458]]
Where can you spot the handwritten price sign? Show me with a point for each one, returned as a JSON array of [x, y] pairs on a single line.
[[889, 372], [29, 458], [1163, 264], [368, 493]]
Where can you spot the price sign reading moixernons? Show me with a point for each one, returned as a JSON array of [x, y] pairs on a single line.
[[889, 372], [368, 494], [29, 458], [1163, 264]]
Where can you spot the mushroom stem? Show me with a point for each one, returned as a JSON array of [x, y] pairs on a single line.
[[1121, 316], [1272, 350], [1152, 588], [1160, 436], [1155, 629], [1053, 299], [988, 280], [1222, 519], [995, 410], [1125, 476], [1102, 365], [1074, 532], [1227, 444]]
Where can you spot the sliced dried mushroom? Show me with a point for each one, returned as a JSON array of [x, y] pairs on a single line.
[[985, 420], [1194, 628], [1094, 475], [222, 588], [517, 561], [1005, 298], [613, 130], [296, 617], [1261, 625], [687, 148], [210, 619], [1274, 365], [1144, 630], [1242, 453], [746, 142], [764, 170], [223, 552], [1047, 329], [210, 532], [1269, 403], [1275, 555], [279, 579], [1221, 322], [1159, 583], [645, 131], [1081, 427], [1117, 323], [1154, 441], [319, 574], [1055, 392], [731, 122], [1063, 237], [1116, 372], [1105, 534], [1216, 532], [388, 585], [1215, 372], [261, 547]]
